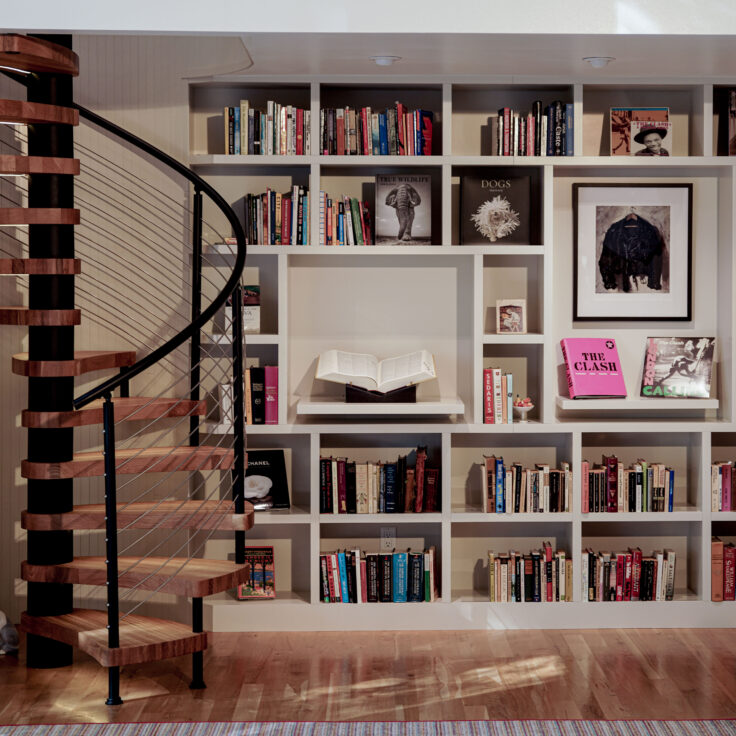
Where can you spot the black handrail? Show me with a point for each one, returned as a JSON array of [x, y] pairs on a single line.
[[195, 326]]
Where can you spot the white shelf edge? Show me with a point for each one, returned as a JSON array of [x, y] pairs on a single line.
[[628, 517], [340, 408], [535, 338], [399, 518], [223, 251], [637, 404], [465, 517]]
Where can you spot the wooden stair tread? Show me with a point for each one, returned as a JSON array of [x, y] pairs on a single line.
[[142, 638], [39, 317], [196, 577], [174, 514], [37, 55], [85, 361], [40, 266], [39, 216], [19, 111], [131, 408], [38, 165], [133, 460]]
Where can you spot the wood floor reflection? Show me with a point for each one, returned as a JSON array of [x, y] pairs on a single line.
[[672, 674]]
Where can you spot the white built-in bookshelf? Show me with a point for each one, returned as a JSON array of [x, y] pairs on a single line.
[[388, 300]]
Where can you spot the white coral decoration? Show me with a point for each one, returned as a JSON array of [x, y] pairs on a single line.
[[496, 219]]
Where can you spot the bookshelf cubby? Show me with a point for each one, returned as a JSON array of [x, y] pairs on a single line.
[[388, 300]]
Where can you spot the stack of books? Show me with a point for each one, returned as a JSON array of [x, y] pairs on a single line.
[[282, 130], [643, 486], [627, 576], [543, 576], [722, 487], [514, 489], [348, 487], [272, 218], [395, 131], [498, 396], [344, 221], [722, 570], [351, 576], [539, 132]]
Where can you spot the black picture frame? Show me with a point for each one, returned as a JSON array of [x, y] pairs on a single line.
[[591, 302]]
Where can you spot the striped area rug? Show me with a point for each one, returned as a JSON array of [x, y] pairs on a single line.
[[417, 728]]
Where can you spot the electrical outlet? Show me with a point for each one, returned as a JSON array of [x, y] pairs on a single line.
[[388, 538]]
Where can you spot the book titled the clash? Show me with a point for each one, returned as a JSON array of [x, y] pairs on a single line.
[[678, 367], [262, 580], [593, 368], [366, 371]]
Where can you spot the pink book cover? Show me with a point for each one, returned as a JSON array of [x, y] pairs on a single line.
[[272, 394], [593, 368], [363, 581], [726, 500], [585, 469]]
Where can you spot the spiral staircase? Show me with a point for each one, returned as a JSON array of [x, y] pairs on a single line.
[[164, 475]]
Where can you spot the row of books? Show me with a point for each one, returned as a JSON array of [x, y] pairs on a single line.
[[542, 576], [498, 396], [514, 489], [644, 486], [272, 218], [540, 132], [347, 487], [352, 576], [344, 221], [395, 131], [722, 570], [628, 576], [722, 486], [261, 397], [282, 130]]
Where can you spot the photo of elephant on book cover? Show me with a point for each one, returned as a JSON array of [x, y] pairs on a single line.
[[632, 249], [403, 210]]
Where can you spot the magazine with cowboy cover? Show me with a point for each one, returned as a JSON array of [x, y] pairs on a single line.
[[403, 209], [262, 580], [494, 208], [621, 117], [678, 367], [593, 368]]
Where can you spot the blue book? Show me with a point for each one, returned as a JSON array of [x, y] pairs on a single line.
[[343, 577], [382, 134], [569, 129], [401, 561], [500, 483], [671, 494], [375, 134], [418, 129], [389, 501], [236, 130]]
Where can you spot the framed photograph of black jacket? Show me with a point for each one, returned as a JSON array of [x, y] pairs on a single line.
[[632, 252]]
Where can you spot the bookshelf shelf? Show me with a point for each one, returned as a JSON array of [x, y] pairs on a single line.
[[386, 300]]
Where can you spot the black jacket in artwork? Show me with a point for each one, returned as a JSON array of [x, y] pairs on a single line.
[[632, 247]]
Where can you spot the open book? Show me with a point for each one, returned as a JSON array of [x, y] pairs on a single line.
[[370, 373]]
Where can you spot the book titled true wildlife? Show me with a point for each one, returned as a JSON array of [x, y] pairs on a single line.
[[404, 209], [678, 367], [494, 208], [593, 368]]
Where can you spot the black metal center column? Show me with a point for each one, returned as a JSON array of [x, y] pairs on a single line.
[[50, 343]]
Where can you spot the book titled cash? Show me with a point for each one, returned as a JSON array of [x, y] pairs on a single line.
[[366, 371]]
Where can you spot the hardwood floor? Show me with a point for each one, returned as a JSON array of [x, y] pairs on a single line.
[[595, 674]]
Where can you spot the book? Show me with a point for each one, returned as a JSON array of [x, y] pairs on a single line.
[[650, 138], [716, 569], [495, 206], [262, 580], [621, 119], [366, 371], [403, 209], [271, 373], [593, 368], [678, 367], [266, 485], [258, 394]]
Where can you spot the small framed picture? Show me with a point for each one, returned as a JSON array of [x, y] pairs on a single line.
[[511, 316]]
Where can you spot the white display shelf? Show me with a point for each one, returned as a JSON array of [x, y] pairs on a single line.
[[223, 159], [328, 407], [635, 517], [293, 515], [223, 252], [476, 515], [400, 518], [531, 338], [723, 515], [636, 404]]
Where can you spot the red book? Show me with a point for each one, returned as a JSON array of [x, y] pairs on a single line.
[[620, 575], [426, 118], [635, 573], [400, 110], [611, 464], [488, 415], [367, 140], [431, 478], [726, 493], [419, 479], [529, 135], [729, 572], [548, 571], [299, 131], [333, 577], [363, 581], [716, 570], [585, 481], [506, 131], [628, 576], [272, 394], [341, 488], [340, 124]]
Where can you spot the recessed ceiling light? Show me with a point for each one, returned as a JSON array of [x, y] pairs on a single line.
[[598, 62], [385, 60]]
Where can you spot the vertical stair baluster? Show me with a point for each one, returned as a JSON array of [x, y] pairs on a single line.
[[238, 472], [195, 355]]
